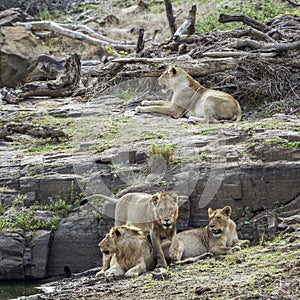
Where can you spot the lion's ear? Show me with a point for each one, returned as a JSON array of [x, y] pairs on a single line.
[[226, 211], [210, 212], [117, 232], [154, 198], [174, 197], [174, 71]]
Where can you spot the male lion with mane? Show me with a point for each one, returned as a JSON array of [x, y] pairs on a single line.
[[130, 252], [192, 100], [218, 237], [156, 215]]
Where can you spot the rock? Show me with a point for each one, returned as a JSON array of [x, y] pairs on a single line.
[[75, 243], [12, 246], [41, 242], [18, 50]]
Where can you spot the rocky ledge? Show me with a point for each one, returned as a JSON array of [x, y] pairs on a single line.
[[52, 229]]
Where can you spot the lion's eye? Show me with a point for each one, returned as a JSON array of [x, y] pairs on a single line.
[[219, 218]]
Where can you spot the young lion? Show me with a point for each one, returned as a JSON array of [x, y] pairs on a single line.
[[192, 100], [130, 252], [218, 237], [155, 214]]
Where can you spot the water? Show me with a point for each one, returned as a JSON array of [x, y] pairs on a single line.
[[13, 290]]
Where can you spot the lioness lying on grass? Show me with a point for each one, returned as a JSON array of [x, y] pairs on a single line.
[[218, 237], [192, 100]]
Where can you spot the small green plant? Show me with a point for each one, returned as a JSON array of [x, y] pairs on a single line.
[[165, 151], [126, 94], [111, 49], [24, 219], [44, 14]]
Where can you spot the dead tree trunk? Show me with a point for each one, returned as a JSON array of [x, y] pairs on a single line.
[[188, 27], [64, 85], [170, 16]]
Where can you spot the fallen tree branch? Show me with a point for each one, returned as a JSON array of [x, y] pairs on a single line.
[[263, 46], [62, 30], [195, 68], [245, 31], [223, 18], [293, 3]]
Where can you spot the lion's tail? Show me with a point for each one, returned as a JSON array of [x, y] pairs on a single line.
[[105, 197], [239, 115]]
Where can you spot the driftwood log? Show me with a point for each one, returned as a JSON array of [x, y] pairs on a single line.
[[64, 85], [69, 30]]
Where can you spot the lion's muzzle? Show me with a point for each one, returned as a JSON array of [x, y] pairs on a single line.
[[216, 232], [167, 224]]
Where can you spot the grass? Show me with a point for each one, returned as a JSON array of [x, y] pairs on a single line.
[[165, 151], [39, 145], [209, 13]]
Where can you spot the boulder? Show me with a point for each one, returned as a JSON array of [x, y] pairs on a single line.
[[12, 245], [18, 50], [41, 242], [75, 243]]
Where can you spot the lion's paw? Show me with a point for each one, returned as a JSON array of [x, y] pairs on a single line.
[[235, 248], [131, 274], [100, 273]]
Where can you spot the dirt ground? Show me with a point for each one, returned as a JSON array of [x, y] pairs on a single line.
[[269, 271]]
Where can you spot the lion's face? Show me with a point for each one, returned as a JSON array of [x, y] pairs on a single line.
[[168, 80], [106, 245], [218, 220], [117, 235], [166, 209]]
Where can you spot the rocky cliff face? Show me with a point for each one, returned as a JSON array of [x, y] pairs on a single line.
[[253, 166]]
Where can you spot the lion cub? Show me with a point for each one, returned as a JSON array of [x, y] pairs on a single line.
[[218, 237], [129, 251], [192, 100]]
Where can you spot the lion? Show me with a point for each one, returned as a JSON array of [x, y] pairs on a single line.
[[218, 237], [156, 215], [192, 100], [129, 250]]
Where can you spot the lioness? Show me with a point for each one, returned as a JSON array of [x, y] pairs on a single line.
[[155, 214], [192, 100], [130, 252], [218, 237]]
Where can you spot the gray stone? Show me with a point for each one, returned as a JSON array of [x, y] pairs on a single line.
[[75, 243], [41, 243], [12, 247]]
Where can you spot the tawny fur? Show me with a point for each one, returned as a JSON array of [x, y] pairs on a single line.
[[155, 214], [130, 252], [192, 100], [218, 237]]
